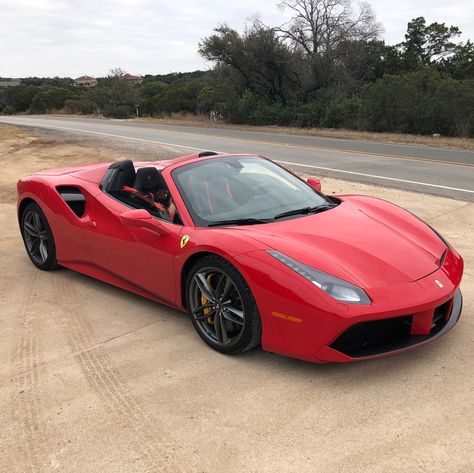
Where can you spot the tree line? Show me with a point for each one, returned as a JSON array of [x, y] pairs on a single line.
[[325, 67]]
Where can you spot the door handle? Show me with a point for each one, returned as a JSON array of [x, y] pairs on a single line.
[[89, 222]]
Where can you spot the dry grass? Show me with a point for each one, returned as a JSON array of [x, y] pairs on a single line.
[[442, 142], [25, 152]]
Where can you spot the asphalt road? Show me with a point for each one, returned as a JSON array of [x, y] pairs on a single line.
[[439, 171]]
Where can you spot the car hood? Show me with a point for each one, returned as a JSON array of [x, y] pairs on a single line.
[[366, 241]]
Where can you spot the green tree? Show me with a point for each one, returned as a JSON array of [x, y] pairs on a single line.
[[460, 65], [422, 102], [321, 32], [51, 99], [9, 110], [62, 82], [150, 95], [83, 106], [425, 44], [180, 98], [114, 97], [262, 61], [20, 97]]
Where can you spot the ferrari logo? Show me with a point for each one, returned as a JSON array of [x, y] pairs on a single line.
[[439, 283], [184, 240]]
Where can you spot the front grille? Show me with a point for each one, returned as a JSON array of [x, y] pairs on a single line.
[[386, 335], [441, 312]]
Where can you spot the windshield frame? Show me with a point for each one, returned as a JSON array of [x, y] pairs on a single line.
[[200, 222]]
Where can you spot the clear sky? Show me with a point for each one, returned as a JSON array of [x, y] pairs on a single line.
[[76, 37]]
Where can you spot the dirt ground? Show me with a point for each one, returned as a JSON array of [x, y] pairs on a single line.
[[96, 379]]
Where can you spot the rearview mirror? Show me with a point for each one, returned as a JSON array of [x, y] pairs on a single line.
[[141, 218], [314, 183]]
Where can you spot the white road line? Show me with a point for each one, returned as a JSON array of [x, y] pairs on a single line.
[[282, 162], [375, 176], [54, 127]]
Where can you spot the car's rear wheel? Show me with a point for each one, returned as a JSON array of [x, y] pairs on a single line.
[[38, 238], [222, 307]]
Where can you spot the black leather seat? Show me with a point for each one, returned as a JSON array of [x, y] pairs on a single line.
[[149, 180], [121, 173]]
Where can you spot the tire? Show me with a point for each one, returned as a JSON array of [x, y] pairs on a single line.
[[227, 319], [38, 237]]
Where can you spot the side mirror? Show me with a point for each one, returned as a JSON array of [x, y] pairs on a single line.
[[314, 183], [140, 218]]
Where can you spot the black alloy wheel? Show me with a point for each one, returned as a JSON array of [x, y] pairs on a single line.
[[38, 238], [222, 307]]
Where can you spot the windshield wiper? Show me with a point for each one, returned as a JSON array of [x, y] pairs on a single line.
[[304, 211], [238, 221], [253, 221]]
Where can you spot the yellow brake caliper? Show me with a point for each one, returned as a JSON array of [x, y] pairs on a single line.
[[207, 310]]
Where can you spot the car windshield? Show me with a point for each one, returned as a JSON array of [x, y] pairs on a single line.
[[244, 190]]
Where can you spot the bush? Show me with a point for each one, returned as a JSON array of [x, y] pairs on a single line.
[[180, 98], [422, 102], [454, 108], [321, 111], [9, 110], [151, 94], [52, 99], [311, 114], [82, 106], [118, 111], [343, 113], [20, 97]]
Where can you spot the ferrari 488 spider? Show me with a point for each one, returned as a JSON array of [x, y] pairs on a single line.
[[255, 254]]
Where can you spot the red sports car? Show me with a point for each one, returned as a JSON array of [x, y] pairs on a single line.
[[252, 252]]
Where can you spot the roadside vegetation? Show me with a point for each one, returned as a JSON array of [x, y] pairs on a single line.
[[325, 68]]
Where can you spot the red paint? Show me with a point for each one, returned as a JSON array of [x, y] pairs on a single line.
[[314, 183], [422, 321], [369, 242]]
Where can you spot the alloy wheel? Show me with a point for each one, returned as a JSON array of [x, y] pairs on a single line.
[[217, 306], [36, 236]]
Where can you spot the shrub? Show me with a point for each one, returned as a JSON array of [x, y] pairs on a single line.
[[82, 106], [9, 110], [52, 99], [20, 97], [343, 113], [422, 102], [118, 111]]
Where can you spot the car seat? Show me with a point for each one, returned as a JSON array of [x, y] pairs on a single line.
[[148, 180], [121, 173]]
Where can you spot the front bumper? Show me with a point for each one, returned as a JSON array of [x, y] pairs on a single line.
[[396, 337], [301, 322]]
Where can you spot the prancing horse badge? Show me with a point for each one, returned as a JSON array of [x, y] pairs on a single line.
[[184, 240]]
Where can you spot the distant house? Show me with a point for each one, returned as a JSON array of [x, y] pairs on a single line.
[[85, 81], [132, 80], [9, 82]]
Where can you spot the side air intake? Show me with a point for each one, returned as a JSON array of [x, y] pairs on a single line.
[[74, 198]]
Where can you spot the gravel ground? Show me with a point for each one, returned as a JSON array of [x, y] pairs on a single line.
[[96, 379]]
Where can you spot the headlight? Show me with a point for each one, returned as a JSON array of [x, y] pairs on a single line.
[[337, 288]]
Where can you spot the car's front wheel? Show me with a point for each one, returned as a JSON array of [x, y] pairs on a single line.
[[38, 237], [222, 307]]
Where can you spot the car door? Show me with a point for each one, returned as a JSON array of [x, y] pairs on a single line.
[[138, 256]]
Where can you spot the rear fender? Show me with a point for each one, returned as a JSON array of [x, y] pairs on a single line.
[[65, 225]]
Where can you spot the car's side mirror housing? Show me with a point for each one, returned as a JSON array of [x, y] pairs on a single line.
[[141, 218], [314, 183]]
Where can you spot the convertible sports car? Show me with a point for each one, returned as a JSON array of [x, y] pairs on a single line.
[[253, 253]]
